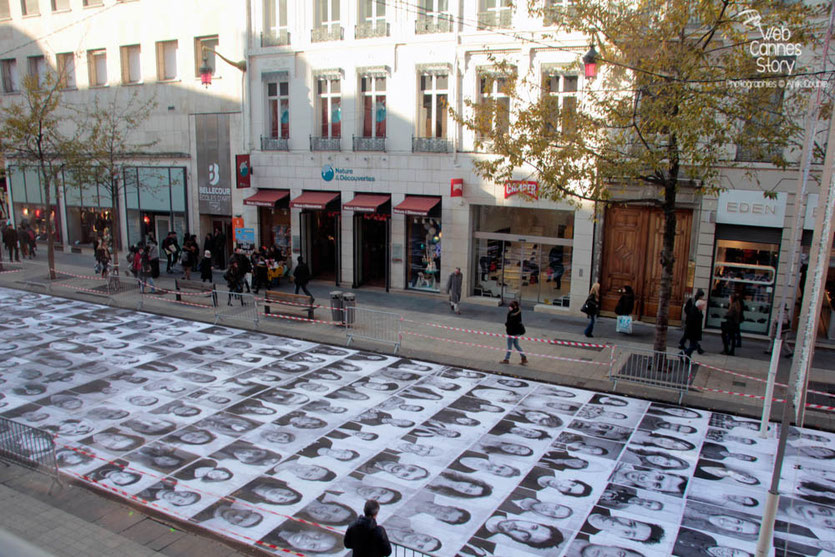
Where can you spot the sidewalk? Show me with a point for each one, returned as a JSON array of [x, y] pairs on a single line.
[[424, 338], [75, 521]]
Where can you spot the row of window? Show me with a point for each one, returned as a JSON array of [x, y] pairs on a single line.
[[131, 65], [32, 7], [432, 107], [431, 16]]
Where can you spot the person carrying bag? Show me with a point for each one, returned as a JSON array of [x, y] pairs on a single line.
[[624, 308]]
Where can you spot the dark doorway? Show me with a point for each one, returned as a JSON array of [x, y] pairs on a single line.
[[371, 248], [320, 240]]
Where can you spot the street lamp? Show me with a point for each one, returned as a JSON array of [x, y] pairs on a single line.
[[206, 70], [590, 62]]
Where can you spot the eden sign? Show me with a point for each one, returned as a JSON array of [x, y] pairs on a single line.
[[751, 208]]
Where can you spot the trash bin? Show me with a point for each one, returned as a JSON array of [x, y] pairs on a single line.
[[349, 300], [336, 307]]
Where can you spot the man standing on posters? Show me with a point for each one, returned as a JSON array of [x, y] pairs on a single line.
[[453, 288], [365, 537]]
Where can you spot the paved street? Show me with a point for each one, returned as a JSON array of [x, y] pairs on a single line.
[[243, 433]]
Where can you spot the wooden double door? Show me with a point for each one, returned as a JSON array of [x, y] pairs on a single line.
[[632, 244]]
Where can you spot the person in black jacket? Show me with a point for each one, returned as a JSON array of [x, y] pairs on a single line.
[[688, 308], [626, 302], [365, 537], [514, 329], [693, 327], [301, 276], [592, 308]]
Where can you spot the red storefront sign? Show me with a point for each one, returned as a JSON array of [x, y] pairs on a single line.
[[456, 187], [524, 187]]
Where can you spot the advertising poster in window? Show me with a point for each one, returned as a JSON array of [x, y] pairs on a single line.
[[214, 183]]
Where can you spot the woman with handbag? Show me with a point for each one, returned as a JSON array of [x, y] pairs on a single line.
[[624, 308], [730, 326], [514, 329], [592, 308]]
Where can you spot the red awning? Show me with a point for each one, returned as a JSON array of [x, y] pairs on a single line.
[[366, 203], [313, 200], [266, 198], [416, 206]]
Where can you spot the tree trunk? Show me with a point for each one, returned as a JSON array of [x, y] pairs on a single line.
[[665, 287], [50, 232], [116, 227]]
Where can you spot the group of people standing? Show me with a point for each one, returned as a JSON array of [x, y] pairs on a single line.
[[143, 259], [19, 240]]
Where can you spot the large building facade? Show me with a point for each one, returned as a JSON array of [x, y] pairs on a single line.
[[358, 165]]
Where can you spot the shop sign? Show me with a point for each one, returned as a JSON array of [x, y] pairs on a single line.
[[456, 187], [237, 222], [214, 177], [242, 171], [750, 208], [331, 173], [524, 187], [812, 201]]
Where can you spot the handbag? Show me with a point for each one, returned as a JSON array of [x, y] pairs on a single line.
[[624, 324]]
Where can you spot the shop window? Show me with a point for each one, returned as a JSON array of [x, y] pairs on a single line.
[[166, 60], [278, 107], [424, 235], [748, 269], [97, 67], [66, 70], [131, 64], [11, 80], [329, 99], [373, 91]]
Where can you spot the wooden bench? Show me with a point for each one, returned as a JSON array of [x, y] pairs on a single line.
[[293, 301], [183, 284]]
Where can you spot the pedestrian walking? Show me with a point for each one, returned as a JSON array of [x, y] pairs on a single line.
[[145, 271], [514, 329], [624, 308], [206, 266], [301, 276], [189, 257], [453, 288], [730, 325], [171, 249], [23, 241], [219, 248], [592, 308], [234, 280], [10, 241], [244, 265], [260, 280], [365, 537], [153, 256], [29, 236], [688, 307], [693, 327]]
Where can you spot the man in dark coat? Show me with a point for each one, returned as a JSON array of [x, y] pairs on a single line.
[[10, 241], [301, 276], [365, 537], [453, 287], [219, 248], [693, 327]]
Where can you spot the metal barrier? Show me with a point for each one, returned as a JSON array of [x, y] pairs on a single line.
[[375, 325], [651, 368], [124, 291], [400, 551], [30, 447], [235, 306]]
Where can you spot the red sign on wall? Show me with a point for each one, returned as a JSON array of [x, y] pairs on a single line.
[[524, 187], [456, 187], [242, 170]]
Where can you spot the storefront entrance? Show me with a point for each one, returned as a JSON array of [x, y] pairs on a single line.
[[371, 250], [633, 238], [320, 241]]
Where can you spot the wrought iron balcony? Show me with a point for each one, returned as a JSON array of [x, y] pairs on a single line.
[[441, 23], [369, 143], [325, 143], [431, 145], [327, 33], [495, 19], [371, 29], [275, 143], [275, 37]]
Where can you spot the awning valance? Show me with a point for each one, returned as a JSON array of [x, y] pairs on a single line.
[[366, 202], [416, 206], [313, 200], [266, 198]]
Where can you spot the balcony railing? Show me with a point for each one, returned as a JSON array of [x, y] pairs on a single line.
[[441, 23], [369, 143], [431, 145], [275, 143], [275, 37], [327, 33], [493, 19], [371, 29], [554, 13], [325, 143]]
